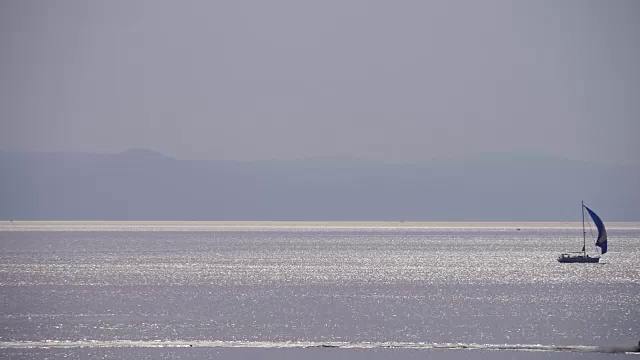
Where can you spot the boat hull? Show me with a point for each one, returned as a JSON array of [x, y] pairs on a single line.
[[566, 258]]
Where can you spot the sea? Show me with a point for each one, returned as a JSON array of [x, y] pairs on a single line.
[[315, 290]]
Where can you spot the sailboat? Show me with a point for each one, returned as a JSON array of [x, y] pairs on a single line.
[[601, 242]]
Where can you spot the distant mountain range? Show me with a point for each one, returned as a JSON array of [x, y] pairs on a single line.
[[140, 184]]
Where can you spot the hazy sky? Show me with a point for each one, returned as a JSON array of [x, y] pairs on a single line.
[[276, 79]]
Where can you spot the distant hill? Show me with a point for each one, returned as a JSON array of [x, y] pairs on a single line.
[[144, 185]]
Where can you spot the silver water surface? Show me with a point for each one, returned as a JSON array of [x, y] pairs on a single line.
[[362, 284]]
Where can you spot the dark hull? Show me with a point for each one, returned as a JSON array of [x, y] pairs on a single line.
[[564, 258]]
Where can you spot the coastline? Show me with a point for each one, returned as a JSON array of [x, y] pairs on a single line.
[[312, 224]]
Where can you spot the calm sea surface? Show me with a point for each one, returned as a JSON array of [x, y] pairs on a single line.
[[194, 290]]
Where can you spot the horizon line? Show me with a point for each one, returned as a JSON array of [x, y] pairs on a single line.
[[316, 223], [488, 156]]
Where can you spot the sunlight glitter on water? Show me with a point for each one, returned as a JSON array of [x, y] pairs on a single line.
[[470, 285]]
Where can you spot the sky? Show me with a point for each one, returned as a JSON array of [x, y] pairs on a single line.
[[291, 79]]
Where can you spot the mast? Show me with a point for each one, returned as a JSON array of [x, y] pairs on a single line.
[[584, 233]]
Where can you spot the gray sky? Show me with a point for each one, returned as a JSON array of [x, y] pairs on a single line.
[[244, 80]]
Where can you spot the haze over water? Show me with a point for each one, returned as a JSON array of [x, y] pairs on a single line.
[[328, 110], [125, 288]]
